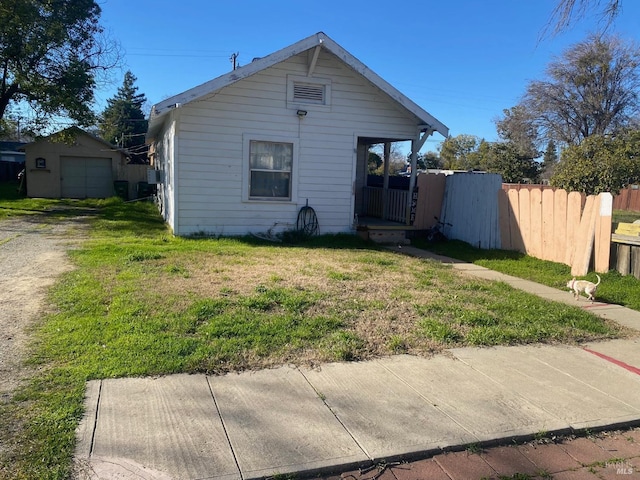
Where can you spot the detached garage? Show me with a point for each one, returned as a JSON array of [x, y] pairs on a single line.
[[75, 164]]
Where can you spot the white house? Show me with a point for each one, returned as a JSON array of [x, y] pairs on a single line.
[[243, 153]]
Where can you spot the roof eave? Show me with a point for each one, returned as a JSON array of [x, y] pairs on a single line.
[[240, 73]]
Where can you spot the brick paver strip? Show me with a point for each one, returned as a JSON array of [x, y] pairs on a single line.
[[617, 471], [421, 469], [508, 461], [586, 451], [550, 458], [633, 435], [582, 474], [618, 446], [376, 472], [464, 465]]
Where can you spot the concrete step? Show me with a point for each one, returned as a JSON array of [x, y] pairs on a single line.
[[387, 236]]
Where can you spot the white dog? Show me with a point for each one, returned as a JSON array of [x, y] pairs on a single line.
[[589, 288]]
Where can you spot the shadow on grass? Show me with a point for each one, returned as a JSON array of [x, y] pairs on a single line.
[[464, 251], [295, 239], [135, 218]]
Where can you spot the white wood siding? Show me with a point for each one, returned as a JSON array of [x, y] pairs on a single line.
[[210, 157]]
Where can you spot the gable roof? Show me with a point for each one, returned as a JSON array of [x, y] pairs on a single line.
[[317, 40], [74, 131]]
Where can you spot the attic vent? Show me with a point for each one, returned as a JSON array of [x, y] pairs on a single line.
[[308, 93]]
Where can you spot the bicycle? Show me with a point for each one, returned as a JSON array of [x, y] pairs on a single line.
[[435, 234]]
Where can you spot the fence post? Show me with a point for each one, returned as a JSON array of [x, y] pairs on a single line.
[[603, 233]]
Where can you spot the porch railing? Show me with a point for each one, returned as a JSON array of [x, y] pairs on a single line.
[[396, 204]]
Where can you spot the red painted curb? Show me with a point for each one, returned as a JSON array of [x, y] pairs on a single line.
[[626, 366], [596, 305]]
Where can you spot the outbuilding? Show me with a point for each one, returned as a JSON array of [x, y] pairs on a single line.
[[73, 163]]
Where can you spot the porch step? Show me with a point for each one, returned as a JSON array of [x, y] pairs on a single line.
[[386, 236]]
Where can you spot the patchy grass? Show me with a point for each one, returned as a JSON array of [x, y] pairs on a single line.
[[142, 302], [615, 288]]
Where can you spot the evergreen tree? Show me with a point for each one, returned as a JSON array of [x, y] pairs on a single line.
[[507, 159], [123, 122], [429, 160], [601, 163], [550, 159], [375, 162]]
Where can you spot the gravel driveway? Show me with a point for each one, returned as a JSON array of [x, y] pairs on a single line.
[[32, 256]]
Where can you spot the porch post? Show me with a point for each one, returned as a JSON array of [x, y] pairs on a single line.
[[416, 144], [385, 184]]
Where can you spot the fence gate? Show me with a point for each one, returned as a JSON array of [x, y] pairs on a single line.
[[470, 205]]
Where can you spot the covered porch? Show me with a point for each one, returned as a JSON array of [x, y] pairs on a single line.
[[391, 203]]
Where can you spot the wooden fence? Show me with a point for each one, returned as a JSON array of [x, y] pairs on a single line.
[[541, 221], [627, 199], [133, 174], [551, 224], [430, 196]]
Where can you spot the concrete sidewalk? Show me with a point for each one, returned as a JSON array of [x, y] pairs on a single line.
[[348, 415]]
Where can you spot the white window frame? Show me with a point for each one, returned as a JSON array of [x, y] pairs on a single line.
[[293, 103], [247, 138]]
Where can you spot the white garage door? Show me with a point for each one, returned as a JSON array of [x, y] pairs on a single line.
[[83, 177]]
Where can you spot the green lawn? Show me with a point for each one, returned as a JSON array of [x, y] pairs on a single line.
[[615, 288], [142, 302]]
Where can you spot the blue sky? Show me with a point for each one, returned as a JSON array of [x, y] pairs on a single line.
[[463, 61]]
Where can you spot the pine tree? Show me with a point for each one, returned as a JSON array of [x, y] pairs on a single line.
[[550, 160], [123, 122]]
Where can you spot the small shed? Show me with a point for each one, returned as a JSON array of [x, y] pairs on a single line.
[[249, 151], [73, 163]]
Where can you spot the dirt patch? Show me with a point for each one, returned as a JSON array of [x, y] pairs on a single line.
[[33, 254]]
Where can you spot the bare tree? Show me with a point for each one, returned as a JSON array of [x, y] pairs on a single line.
[[518, 127], [569, 11], [593, 89]]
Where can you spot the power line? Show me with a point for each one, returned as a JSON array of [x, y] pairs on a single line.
[[180, 55]]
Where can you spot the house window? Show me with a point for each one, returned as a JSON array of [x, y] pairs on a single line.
[[270, 167]]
